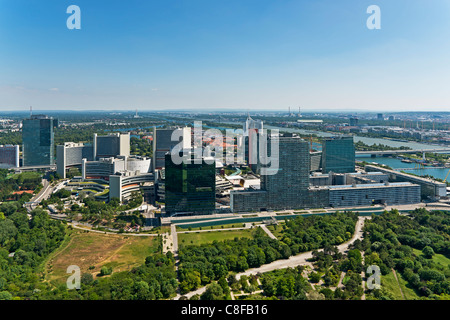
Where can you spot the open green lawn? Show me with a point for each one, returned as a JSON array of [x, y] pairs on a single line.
[[25, 175], [409, 292], [389, 283], [276, 229], [221, 226], [201, 237], [437, 258]]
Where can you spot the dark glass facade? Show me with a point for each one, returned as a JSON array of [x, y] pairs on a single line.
[[38, 141], [338, 155], [288, 188], [189, 187]]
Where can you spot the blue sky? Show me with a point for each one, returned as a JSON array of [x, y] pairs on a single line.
[[236, 54]]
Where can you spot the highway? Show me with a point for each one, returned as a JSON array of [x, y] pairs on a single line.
[[45, 192]]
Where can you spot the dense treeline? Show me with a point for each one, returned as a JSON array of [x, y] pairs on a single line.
[[153, 280], [27, 240], [361, 146], [24, 244], [200, 265], [18, 182], [389, 242], [314, 232]]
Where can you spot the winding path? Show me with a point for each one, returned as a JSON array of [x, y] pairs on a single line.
[[293, 261]]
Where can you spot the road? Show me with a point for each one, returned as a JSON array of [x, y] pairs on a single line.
[[45, 192], [270, 234], [293, 261]]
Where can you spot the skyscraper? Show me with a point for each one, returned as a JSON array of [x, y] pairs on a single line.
[[338, 154], [190, 187], [9, 156], [162, 143], [288, 187], [251, 130], [70, 154], [111, 145], [38, 140]]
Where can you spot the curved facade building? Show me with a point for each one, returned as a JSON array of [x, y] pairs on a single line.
[[123, 184]]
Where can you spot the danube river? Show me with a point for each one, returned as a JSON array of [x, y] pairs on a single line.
[[397, 164], [366, 140], [392, 162]]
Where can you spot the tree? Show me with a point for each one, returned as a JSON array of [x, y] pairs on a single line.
[[213, 292], [5, 295], [314, 277], [314, 295], [268, 287], [87, 278], [7, 231], [428, 252], [104, 271]]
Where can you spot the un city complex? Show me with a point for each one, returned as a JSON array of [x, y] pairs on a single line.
[[303, 178]]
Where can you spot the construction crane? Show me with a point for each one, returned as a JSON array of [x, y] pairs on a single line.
[[448, 173]]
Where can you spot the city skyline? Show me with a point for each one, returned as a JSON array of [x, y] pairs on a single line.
[[233, 55]]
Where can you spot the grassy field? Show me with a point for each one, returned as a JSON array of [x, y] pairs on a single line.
[[437, 258], [276, 230], [87, 249], [390, 284], [198, 238], [231, 225]]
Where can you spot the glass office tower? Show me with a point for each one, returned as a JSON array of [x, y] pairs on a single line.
[[288, 188], [338, 155], [38, 140], [189, 187]]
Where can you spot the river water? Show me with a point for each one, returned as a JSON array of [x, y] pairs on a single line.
[[394, 163]]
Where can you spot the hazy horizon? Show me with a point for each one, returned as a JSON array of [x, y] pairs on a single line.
[[225, 55]]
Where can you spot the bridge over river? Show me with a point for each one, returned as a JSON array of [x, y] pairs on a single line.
[[390, 152]]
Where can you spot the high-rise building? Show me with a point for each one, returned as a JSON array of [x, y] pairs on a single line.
[[190, 187], [252, 129], [353, 121], [338, 154], [162, 143], [252, 124], [38, 140], [123, 184], [111, 145], [380, 116], [9, 156], [104, 167], [70, 154], [288, 187]]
